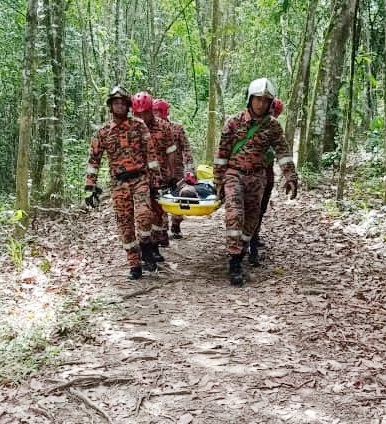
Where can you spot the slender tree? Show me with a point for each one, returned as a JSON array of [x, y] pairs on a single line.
[[22, 197], [328, 79], [384, 108], [348, 126], [296, 110], [56, 11]]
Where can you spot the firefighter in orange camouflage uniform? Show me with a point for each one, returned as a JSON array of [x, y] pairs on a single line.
[[184, 163], [256, 243], [165, 146], [132, 159], [240, 174]]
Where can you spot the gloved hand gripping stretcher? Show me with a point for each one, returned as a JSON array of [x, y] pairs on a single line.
[[191, 196]]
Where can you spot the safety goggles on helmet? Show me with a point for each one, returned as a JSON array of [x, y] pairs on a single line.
[[142, 102], [118, 93], [261, 87]]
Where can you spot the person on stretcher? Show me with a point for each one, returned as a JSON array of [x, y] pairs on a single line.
[[190, 187]]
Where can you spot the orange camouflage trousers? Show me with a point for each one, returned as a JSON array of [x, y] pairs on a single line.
[[242, 194], [266, 196], [158, 222], [175, 220], [131, 202]]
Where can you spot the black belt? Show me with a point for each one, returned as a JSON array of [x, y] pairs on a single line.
[[253, 171], [126, 176]]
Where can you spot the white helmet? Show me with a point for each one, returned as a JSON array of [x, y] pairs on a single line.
[[261, 87]]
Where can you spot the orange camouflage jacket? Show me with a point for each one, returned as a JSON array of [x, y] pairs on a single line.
[[184, 158], [252, 156], [128, 146], [164, 142]]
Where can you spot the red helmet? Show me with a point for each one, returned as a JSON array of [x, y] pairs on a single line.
[[276, 107], [161, 106], [142, 102]]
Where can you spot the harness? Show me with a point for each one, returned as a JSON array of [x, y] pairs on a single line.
[[250, 133]]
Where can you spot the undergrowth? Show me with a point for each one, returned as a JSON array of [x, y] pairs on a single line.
[[25, 349]]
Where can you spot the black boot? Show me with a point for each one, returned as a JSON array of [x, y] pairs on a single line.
[[176, 231], [156, 253], [164, 239], [253, 256], [149, 262], [135, 273], [237, 277]]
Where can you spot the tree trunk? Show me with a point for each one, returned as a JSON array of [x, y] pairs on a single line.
[[22, 201], [347, 133], [328, 79], [296, 110], [153, 80], [384, 109], [213, 70], [39, 152], [55, 190]]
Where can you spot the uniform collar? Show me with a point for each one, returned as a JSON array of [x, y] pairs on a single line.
[[124, 123]]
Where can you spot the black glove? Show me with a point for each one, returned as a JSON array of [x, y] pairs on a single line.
[[220, 192], [92, 196], [154, 192], [172, 184], [291, 187]]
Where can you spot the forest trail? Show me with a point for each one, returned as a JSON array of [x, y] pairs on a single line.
[[304, 341]]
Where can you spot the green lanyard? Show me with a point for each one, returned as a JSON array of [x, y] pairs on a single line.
[[250, 133]]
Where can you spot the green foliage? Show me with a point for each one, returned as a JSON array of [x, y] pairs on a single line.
[[24, 354], [332, 208], [45, 266], [9, 220], [331, 159], [15, 249], [309, 177], [77, 321], [375, 137], [24, 351]]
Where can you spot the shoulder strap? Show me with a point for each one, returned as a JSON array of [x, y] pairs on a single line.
[[250, 133]]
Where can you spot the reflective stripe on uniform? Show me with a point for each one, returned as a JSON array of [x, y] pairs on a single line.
[[153, 164], [171, 149], [129, 246], [156, 228], [220, 161], [234, 233], [91, 170], [244, 237], [144, 233], [284, 160]]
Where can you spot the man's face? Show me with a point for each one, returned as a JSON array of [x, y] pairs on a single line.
[[260, 105], [119, 108], [146, 116]]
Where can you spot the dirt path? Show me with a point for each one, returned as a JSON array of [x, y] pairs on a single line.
[[303, 342]]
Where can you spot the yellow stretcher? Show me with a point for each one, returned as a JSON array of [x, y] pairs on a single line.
[[192, 206], [188, 205]]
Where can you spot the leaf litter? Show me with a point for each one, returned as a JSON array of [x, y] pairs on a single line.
[[304, 341]]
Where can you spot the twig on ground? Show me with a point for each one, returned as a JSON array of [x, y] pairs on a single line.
[[41, 411], [146, 290], [126, 360], [153, 394], [91, 381], [89, 403], [139, 402]]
